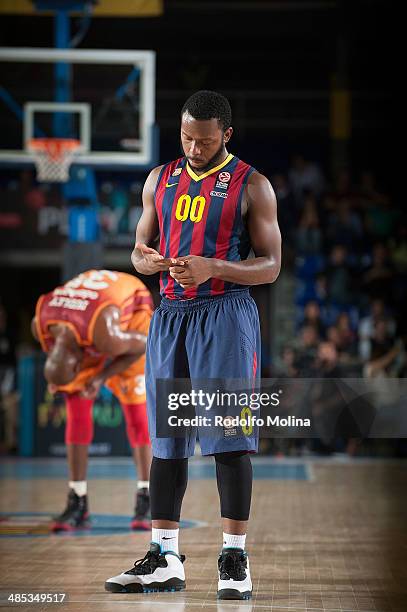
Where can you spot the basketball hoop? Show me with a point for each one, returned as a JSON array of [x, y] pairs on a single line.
[[53, 157]]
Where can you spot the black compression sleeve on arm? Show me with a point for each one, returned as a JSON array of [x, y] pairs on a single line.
[[168, 482]]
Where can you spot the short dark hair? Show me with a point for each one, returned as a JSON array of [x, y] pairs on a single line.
[[204, 105]]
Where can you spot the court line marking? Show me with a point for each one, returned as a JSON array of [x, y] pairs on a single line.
[[106, 470], [249, 603], [333, 460], [309, 470]]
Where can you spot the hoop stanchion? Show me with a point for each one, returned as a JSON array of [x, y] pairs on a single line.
[[53, 157]]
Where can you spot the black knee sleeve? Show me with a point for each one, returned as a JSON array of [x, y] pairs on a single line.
[[234, 476], [168, 482]]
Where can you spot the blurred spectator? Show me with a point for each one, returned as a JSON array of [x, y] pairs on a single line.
[[343, 350], [33, 195], [309, 237], [368, 193], [344, 226], [321, 287], [288, 366], [381, 219], [367, 325], [386, 353], [305, 176], [339, 276], [119, 202], [332, 336], [287, 208], [346, 335], [332, 418], [325, 398], [312, 317], [398, 248], [116, 202], [35, 198], [377, 279], [8, 396], [326, 362], [306, 350], [12, 197], [327, 208], [105, 191], [7, 342]]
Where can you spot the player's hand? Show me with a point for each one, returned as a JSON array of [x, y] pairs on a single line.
[[93, 386], [191, 271], [155, 262]]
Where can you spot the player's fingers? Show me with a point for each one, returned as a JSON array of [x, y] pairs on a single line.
[[146, 249], [155, 257], [186, 283], [162, 265], [141, 246], [178, 280], [177, 269], [181, 277], [175, 276], [177, 262]]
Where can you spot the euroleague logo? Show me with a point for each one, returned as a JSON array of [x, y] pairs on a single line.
[[222, 182], [224, 177]]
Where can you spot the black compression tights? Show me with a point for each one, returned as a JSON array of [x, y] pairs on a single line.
[[168, 482], [169, 477], [234, 476]]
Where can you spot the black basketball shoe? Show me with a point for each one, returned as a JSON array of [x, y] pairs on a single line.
[[75, 516], [142, 516], [234, 575]]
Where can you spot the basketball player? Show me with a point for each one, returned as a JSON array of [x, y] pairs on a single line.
[[208, 208], [94, 330]]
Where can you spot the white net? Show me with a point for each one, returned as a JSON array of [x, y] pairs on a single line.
[[53, 157]]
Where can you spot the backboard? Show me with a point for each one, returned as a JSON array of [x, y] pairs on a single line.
[[104, 98]]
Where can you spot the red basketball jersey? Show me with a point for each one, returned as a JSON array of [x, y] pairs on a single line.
[[201, 215], [78, 303]]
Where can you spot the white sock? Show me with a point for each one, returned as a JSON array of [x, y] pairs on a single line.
[[143, 484], [79, 486], [234, 541], [166, 538]]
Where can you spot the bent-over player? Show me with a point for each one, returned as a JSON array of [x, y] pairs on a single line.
[[93, 329]]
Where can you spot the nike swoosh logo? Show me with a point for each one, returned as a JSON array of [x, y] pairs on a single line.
[[164, 538], [172, 184]]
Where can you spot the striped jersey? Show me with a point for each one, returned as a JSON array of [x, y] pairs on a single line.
[[202, 215]]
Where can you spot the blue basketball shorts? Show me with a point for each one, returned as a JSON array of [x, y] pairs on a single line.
[[215, 337]]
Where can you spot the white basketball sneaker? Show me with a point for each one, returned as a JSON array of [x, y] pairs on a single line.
[[234, 574], [154, 573]]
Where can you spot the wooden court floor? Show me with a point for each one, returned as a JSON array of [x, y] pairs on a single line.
[[325, 535]]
